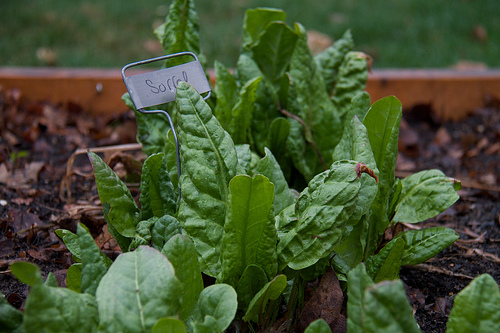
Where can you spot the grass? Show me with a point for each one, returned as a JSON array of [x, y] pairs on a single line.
[[111, 33]]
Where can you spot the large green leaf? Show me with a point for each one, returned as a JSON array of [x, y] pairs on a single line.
[[309, 100], [179, 33], [329, 60], [476, 308], [377, 308], [250, 235], [424, 244], [140, 287], [271, 291], [123, 212], [351, 80], [269, 167], [242, 112], [215, 309], [382, 123], [318, 326], [424, 195], [209, 161], [50, 309], [226, 91], [274, 49], [158, 197], [323, 210], [71, 241], [182, 254], [169, 325], [255, 22], [94, 262], [163, 229]]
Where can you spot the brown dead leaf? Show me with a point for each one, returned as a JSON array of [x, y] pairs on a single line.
[[408, 140], [22, 221], [325, 303], [317, 41], [22, 201], [442, 137]]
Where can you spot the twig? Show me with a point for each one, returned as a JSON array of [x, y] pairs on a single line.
[[434, 269], [308, 133]]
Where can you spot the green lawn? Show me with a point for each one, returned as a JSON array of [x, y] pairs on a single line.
[[111, 33]]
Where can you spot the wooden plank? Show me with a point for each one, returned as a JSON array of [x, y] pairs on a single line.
[[452, 94]]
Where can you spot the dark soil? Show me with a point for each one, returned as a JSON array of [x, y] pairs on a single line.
[[38, 195]]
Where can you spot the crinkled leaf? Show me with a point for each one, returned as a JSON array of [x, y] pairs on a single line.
[[215, 309], [242, 112], [274, 49], [179, 33], [271, 291], [256, 20], [318, 326], [251, 282], [323, 210], [250, 235], [244, 156], [143, 233], [182, 254], [226, 91], [94, 262], [163, 229], [169, 325], [329, 60], [123, 212], [50, 309], [352, 76], [157, 197], [269, 167], [209, 161], [385, 265], [476, 308], [423, 244], [140, 287], [309, 100], [424, 195]]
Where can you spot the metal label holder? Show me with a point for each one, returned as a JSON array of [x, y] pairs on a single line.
[[159, 87]]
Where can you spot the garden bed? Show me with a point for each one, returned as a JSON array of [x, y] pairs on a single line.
[[38, 138]]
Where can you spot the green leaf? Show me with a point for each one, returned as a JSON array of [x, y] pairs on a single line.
[[271, 291], [242, 111], [251, 282], [476, 308], [255, 22], [71, 242], [318, 326], [157, 197], [357, 282], [179, 33], [169, 325], [140, 287], [209, 161], [215, 309], [269, 167], [351, 80], [226, 91], [163, 229], [323, 210], [123, 212], [123, 242], [274, 49], [382, 123], [329, 60], [387, 309], [11, 319], [250, 235], [423, 244], [244, 157], [50, 309], [74, 277], [424, 195], [385, 265], [182, 254], [94, 262]]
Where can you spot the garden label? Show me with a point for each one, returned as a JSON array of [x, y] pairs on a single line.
[[159, 87]]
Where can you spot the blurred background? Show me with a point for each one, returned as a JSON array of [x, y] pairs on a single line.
[[111, 33]]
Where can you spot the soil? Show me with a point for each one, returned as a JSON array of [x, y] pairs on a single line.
[[41, 192]]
